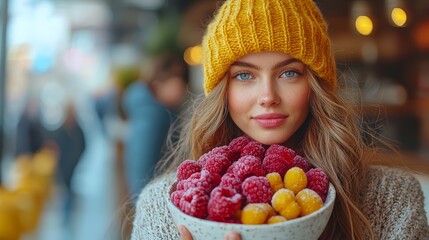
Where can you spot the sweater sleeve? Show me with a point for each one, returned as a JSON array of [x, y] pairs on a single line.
[[394, 204], [153, 219]]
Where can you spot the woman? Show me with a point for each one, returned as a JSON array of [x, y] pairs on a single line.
[[270, 75]]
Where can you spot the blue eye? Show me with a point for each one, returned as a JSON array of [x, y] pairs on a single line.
[[289, 74], [243, 76]]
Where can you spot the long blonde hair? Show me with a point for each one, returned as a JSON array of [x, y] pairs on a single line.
[[334, 142], [330, 139]]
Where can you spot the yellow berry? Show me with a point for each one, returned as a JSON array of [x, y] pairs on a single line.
[[282, 198], [276, 219], [275, 180], [309, 201], [295, 179], [270, 210], [255, 213], [291, 211]]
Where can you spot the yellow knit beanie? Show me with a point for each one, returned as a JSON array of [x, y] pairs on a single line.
[[240, 27]]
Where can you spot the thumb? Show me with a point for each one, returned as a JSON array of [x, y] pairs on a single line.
[[184, 233]]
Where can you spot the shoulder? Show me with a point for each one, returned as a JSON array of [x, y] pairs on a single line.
[[383, 175], [152, 219], [391, 184], [137, 87], [159, 185], [137, 91], [393, 201]]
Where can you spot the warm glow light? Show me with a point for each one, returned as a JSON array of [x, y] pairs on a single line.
[[192, 55], [364, 25], [399, 17]]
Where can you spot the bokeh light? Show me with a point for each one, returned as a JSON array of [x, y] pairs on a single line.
[[364, 25], [399, 17], [192, 55]]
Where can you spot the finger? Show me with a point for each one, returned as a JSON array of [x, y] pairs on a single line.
[[233, 236], [185, 234]]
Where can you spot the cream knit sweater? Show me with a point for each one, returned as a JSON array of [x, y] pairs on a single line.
[[392, 201]]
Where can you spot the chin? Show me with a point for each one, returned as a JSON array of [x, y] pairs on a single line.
[[270, 139]]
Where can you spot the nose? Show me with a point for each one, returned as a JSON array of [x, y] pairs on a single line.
[[268, 94]]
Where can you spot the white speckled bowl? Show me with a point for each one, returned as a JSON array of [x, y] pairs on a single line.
[[306, 227]]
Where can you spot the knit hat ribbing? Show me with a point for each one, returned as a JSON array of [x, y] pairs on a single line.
[[240, 27]]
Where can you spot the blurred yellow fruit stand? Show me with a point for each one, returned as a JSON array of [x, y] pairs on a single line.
[[22, 204]]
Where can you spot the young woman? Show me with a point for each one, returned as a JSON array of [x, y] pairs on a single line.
[[270, 75]]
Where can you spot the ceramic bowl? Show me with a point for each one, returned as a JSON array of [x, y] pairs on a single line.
[[306, 227]]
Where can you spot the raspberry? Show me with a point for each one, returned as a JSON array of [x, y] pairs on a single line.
[[181, 185], [216, 163], [186, 169], [324, 196], [276, 163], [254, 148], [275, 181], [194, 202], [287, 153], [224, 203], [232, 220], [237, 144], [203, 179], [309, 201], [231, 168], [257, 190], [203, 159], [176, 196], [299, 161], [256, 213], [295, 179], [318, 181], [248, 166], [227, 152], [231, 181]]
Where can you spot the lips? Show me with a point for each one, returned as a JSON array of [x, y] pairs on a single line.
[[269, 120]]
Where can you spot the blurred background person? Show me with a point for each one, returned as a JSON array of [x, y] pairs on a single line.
[[108, 100], [70, 144], [30, 135], [151, 107]]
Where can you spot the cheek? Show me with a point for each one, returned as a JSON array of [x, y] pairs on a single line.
[[234, 104], [301, 102], [238, 103]]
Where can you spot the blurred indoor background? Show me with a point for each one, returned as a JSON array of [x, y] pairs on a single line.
[[64, 64]]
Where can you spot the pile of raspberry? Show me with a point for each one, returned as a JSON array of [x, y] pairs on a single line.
[[249, 183]]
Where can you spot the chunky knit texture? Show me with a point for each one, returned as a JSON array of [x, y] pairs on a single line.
[[392, 200], [240, 27]]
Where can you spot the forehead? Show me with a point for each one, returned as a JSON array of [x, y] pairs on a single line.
[[267, 60], [264, 57]]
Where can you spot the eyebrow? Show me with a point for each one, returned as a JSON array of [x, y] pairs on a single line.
[[280, 64]]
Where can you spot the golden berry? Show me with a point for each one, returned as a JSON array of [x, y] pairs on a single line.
[[295, 179], [275, 180], [282, 198], [291, 211], [270, 210], [309, 201], [276, 219], [255, 213]]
